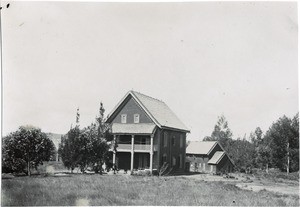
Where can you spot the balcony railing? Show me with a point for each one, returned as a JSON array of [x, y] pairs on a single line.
[[124, 147], [141, 147], [136, 147]]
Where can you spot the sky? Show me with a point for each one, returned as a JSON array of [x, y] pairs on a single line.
[[203, 59]]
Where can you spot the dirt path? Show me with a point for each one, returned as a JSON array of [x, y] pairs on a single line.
[[288, 188]]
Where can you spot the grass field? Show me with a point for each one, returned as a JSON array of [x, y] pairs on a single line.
[[78, 189]]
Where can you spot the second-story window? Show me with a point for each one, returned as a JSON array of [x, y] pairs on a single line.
[[123, 118], [136, 118], [181, 141], [173, 141]]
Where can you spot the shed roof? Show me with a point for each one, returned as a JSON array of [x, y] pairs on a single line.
[[156, 109], [141, 128], [217, 157], [203, 148]]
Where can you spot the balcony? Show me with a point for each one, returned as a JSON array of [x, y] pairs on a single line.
[[136, 148]]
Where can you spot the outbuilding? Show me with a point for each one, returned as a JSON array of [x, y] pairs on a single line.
[[207, 157]]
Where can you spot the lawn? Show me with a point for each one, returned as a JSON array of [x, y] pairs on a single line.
[[78, 189]]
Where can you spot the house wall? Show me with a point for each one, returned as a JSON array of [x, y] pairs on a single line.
[[198, 163], [172, 151], [213, 168], [156, 143], [131, 108]]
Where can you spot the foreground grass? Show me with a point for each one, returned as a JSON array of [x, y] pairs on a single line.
[[132, 190]]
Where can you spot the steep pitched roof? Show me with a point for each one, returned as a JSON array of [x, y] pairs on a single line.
[[157, 110], [202, 148], [217, 157]]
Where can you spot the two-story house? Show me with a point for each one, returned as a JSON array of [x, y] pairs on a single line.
[[147, 133]]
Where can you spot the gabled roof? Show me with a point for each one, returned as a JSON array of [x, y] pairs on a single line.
[[157, 110], [202, 148], [133, 128], [217, 157]]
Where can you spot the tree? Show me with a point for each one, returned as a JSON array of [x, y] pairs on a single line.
[[263, 158], [283, 136], [257, 136], [97, 148], [68, 149], [256, 139], [100, 144], [26, 148], [242, 153], [221, 133], [87, 147]]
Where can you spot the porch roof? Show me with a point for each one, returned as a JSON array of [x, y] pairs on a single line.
[[217, 157], [141, 128]]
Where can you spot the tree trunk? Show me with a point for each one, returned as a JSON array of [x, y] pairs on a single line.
[[288, 159], [267, 168]]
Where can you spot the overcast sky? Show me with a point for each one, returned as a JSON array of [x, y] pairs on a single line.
[[202, 59]]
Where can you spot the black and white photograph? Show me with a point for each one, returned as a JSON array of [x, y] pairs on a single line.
[[149, 103]]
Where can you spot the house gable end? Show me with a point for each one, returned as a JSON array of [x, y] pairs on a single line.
[[216, 147], [130, 108]]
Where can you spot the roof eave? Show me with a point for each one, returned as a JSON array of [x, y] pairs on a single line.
[[176, 129]]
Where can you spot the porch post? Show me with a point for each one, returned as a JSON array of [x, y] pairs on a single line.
[[151, 153], [132, 153], [114, 151]]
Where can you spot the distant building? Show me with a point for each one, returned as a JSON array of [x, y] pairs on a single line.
[[207, 157], [148, 134]]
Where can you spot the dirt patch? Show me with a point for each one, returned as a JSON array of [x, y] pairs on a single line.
[[249, 182], [278, 188]]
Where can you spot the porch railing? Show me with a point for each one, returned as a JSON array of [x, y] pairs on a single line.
[[137, 147]]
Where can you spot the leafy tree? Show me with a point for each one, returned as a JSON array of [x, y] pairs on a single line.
[[26, 148], [242, 153], [257, 136], [68, 149], [284, 138], [263, 158], [256, 139], [221, 133], [87, 147]]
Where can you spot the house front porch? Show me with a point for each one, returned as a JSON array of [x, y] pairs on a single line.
[[133, 146]]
